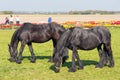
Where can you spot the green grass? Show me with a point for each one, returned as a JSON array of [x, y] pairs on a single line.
[[42, 70]]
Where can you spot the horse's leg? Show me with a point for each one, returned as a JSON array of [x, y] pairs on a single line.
[[80, 65], [33, 58], [101, 55], [73, 68], [108, 50], [54, 44], [106, 58], [65, 55], [20, 53], [75, 55]]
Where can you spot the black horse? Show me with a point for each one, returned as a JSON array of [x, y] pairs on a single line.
[[38, 33], [85, 39]]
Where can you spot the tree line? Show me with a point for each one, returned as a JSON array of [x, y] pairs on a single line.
[[87, 12]]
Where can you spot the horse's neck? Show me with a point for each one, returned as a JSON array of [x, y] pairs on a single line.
[[62, 42], [14, 40], [14, 43], [56, 27]]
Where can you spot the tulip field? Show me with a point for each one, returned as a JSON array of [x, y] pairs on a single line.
[[67, 20], [43, 70], [90, 24], [69, 24]]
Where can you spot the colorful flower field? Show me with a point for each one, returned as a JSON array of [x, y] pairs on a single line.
[[89, 24], [3, 26], [69, 24]]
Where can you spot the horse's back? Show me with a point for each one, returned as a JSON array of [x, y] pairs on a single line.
[[88, 39], [83, 39], [40, 32], [102, 33]]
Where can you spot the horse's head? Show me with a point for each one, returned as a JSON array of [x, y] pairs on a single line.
[[60, 57], [12, 53], [57, 60]]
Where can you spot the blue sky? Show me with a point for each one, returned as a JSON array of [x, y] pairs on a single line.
[[59, 5]]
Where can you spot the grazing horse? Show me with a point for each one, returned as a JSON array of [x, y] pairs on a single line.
[[38, 33], [85, 39]]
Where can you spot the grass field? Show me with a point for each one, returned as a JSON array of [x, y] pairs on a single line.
[[42, 70]]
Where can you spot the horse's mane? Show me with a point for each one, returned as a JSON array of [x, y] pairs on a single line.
[[27, 26], [15, 37], [55, 27], [53, 24]]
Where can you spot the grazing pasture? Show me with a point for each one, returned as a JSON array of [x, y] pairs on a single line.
[[43, 70]]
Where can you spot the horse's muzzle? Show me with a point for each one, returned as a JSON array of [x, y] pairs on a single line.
[[12, 59], [57, 69]]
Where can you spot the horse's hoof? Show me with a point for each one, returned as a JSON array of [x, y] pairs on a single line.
[[111, 65], [33, 61], [98, 66], [18, 62], [11, 60], [57, 70], [72, 70], [80, 67]]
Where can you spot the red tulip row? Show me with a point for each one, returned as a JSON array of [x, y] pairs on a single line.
[[3, 26]]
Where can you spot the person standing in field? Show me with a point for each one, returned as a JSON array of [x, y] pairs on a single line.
[[6, 21], [49, 19], [17, 20], [11, 21]]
